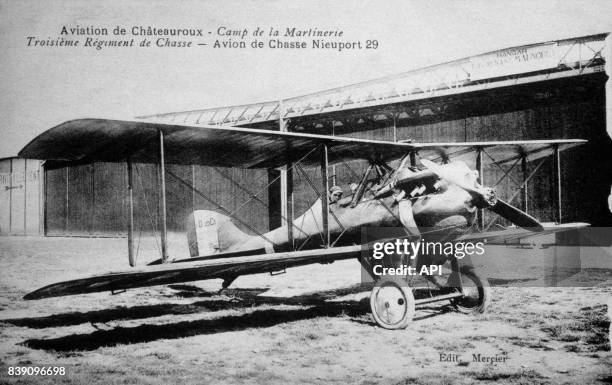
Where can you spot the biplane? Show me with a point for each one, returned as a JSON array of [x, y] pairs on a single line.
[[429, 190]]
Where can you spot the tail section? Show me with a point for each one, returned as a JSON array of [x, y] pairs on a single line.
[[210, 233]]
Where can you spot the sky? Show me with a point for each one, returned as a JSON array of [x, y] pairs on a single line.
[[45, 86]]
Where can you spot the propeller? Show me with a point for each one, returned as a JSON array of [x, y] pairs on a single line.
[[516, 216], [485, 197]]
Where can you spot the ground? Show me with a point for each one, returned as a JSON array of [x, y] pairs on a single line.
[[310, 325]]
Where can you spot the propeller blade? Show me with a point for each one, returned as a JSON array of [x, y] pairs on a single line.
[[486, 197], [516, 216]]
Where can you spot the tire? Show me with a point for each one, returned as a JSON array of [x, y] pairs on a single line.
[[392, 303], [476, 289]]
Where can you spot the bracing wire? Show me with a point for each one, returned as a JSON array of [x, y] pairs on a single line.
[[153, 227], [218, 206]]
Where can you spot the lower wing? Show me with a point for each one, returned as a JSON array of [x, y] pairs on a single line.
[[226, 268], [515, 234]]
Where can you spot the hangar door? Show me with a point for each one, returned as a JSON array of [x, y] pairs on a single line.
[[20, 197]]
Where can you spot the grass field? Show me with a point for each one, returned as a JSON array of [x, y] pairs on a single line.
[[311, 325]]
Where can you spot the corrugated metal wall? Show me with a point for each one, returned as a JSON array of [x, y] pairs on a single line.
[[20, 197]]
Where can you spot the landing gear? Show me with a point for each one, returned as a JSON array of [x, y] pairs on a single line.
[[392, 300], [392, 303], [476, 291]]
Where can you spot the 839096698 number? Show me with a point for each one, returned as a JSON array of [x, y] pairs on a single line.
[[36, 371]]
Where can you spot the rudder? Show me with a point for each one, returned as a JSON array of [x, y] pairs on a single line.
[[209, 232]]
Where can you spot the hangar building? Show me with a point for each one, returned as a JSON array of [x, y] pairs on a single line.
[[556, 89]]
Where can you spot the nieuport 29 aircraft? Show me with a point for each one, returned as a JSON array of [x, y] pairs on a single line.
[[430, 191]]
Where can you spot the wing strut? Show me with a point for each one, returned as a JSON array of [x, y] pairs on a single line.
[[324, 199], [130, 233], [524, 188], [557, 157], [480, 167], [289, 202], [162, 177]]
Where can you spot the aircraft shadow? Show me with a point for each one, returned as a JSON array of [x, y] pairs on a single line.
[[240, 298], [123, 313], [231, 299], [148, 332]]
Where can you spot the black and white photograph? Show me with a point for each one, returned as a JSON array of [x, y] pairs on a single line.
[[305, 192]]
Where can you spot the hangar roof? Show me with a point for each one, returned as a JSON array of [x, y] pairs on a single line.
[[505, 67]]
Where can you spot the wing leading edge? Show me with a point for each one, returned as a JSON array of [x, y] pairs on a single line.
[[87, 140]]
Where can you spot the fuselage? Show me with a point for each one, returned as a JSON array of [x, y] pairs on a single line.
[[450, 207]]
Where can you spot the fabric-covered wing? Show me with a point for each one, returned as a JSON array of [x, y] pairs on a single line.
[[115, 141], [90, 140], [502, 152], [194, 271], [513, 235]]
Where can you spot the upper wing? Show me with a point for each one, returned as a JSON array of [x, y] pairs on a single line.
[[194, 271], [114, 140], [499, 151]]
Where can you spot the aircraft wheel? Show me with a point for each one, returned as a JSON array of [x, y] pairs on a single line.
[[392, 303], [476, 290]]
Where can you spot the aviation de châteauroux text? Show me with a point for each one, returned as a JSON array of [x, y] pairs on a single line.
[[218, 38]]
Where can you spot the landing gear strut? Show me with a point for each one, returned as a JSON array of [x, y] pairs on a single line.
[[227, 281]]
